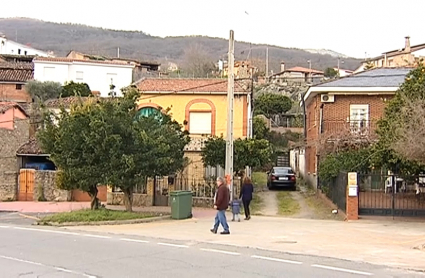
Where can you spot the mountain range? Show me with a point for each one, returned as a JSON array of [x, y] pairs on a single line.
[[64, 37]]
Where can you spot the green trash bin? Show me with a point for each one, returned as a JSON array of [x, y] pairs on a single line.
[[181, 204]]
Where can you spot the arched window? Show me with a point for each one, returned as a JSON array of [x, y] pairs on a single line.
[[149, 111]]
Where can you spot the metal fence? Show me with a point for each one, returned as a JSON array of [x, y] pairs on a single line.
[[336, 190], [392, 195], [205, 188], [355, 127]]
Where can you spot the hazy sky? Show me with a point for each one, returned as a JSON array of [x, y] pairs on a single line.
[[351, 27]]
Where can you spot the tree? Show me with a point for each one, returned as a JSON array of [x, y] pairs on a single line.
[[247, 152], [331, 72], [71, 89], [402, 119], [197, 61], [259, 128], [272, 104], [43, 91], [104, 142]]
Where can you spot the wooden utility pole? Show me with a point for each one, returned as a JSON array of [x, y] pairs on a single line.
[[230, 100]]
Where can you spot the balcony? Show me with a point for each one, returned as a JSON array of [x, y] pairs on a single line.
[[362, 128]]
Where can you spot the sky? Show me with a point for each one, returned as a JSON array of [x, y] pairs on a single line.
[[357, 28]]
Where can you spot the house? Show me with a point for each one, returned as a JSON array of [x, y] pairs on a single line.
[[297, 75], [13, 77], [10, 58], [407, 56], [141, 68], [14, 131], [343, 72], [241, 69], [13, 48], [347, 108], [201, 106], [99, 75]]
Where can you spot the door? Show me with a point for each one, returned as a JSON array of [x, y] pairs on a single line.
[[161, 187], [26, 185]]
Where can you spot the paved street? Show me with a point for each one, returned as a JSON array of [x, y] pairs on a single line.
[[34, 252]]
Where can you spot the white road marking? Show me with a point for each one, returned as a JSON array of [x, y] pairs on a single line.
[[275, 259], [5, 227], [173, 245], [96, 236], [342, 269], [134, 240], [40, 264], [47, 231], [220, 251]]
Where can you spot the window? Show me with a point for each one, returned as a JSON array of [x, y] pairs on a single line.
[[111, 78], [18, 86], [25, 52], [19, 51], [149, 111], [79, 75], [200, 122], [359, 117], [49, 73]]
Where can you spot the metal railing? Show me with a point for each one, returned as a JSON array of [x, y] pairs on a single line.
[[355, 127]]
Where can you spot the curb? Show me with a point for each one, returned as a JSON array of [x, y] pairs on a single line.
[[99, 223], [29, 216]]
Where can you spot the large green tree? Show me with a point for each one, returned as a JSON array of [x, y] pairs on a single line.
[[400, 116], [105, 142], [42, 91], [271, 104], [247, 152], [72, 88]]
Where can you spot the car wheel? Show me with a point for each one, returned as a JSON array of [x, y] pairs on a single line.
[[294, 188]]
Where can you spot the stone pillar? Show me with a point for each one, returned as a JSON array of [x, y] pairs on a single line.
[[150, 192], [352, 209]]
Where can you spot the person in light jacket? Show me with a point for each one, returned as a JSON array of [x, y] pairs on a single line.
[[246, 195]]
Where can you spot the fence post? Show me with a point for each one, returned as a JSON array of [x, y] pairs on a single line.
[[393, 191], [352, 210]]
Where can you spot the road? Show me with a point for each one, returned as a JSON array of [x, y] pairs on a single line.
[[27, 251]]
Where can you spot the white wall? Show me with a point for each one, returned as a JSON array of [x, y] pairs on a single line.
[[14, 48], [97, 76], [297, 161]]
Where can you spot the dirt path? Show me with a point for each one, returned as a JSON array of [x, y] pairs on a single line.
[[305, 210], [269, 203]]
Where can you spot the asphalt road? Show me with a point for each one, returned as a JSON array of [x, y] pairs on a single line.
[[42, 252]]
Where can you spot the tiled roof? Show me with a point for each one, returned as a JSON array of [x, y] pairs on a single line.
[[69, 60], [4, 106], [304, 70], [16, 72], [188, 85], [378, 77], [30, 147]]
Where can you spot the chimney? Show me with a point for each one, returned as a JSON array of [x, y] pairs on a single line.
[[282, 66], [407, 44]]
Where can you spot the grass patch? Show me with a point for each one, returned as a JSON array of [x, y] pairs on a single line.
[[87, 215], [259, 179], [287, 205]]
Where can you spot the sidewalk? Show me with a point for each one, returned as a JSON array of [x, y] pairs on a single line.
[[384, 242]]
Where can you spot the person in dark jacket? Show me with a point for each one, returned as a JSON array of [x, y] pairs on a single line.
[[221, 203], [246, 196]]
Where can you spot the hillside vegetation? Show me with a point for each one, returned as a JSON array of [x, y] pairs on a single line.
[[61, 38]]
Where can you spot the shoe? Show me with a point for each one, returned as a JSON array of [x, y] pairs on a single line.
[[248, 218], [239, 220], [225, 233], [233, 220], [213, 231]]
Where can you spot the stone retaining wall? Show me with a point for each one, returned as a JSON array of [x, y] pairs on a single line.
[[139, 200], [202, 202], [46, 181]]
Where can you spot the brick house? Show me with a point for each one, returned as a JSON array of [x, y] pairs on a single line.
[[13, 77], [348, 107], [14, 131]]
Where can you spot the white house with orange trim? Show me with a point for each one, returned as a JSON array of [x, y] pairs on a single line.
[[99, 75]]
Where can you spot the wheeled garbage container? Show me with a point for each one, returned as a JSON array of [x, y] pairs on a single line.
[[181, 204]]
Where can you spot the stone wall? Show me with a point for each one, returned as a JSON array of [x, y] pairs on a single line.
[[139, 200], [10, 141], [202, 202], [46, 181]]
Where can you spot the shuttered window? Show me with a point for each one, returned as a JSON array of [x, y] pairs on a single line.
[[200, 122]]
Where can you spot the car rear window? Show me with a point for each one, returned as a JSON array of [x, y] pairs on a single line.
[[283, 171]]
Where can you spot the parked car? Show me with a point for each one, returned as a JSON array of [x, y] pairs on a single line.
[[281, 177]]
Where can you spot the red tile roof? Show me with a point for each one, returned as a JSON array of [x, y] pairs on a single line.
[[69, 60], [188, 85], [304, 70], [4, 106], [19, 72]]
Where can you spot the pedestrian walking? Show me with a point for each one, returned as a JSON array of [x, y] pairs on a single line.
[[236, 209], [247, 191], [221, 203]]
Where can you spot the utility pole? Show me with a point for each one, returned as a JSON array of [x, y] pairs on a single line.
[[267, 62], [118, 52], [230, 100]]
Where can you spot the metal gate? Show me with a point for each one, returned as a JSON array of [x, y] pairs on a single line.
[[26, 185], [391, 195], [161, 190]]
